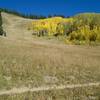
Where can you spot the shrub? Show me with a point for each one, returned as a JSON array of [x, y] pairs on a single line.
[[93, 36], [83, 27], [1, 28], [85, 34], [54, 26]]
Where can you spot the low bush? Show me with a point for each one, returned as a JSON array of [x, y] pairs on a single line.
[[1, 28]]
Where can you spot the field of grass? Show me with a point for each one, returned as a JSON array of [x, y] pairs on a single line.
[[27, 64], [69, 94], [33, 62]]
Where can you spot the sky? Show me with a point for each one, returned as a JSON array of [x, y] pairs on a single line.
[[51, 7]]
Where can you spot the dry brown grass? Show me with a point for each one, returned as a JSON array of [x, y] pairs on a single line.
[[29, 63], [25, 61]]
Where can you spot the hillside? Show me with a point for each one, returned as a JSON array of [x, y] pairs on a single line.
[[82, 28], [15, 27], [32, 65]]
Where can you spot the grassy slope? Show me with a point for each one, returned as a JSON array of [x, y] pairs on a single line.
[[16, 27], [25, 61]]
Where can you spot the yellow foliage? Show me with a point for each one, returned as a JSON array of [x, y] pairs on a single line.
[[85, 33], [51, 25]]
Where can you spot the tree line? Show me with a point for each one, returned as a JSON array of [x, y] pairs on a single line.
[[30, 16]]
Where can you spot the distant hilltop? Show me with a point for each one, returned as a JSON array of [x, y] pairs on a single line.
[[81, 28], [31, 16]]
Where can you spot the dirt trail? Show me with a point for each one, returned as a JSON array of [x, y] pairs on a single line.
[[46, 88]]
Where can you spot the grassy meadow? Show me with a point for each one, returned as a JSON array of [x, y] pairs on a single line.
[[29, 61], [24, 64]]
